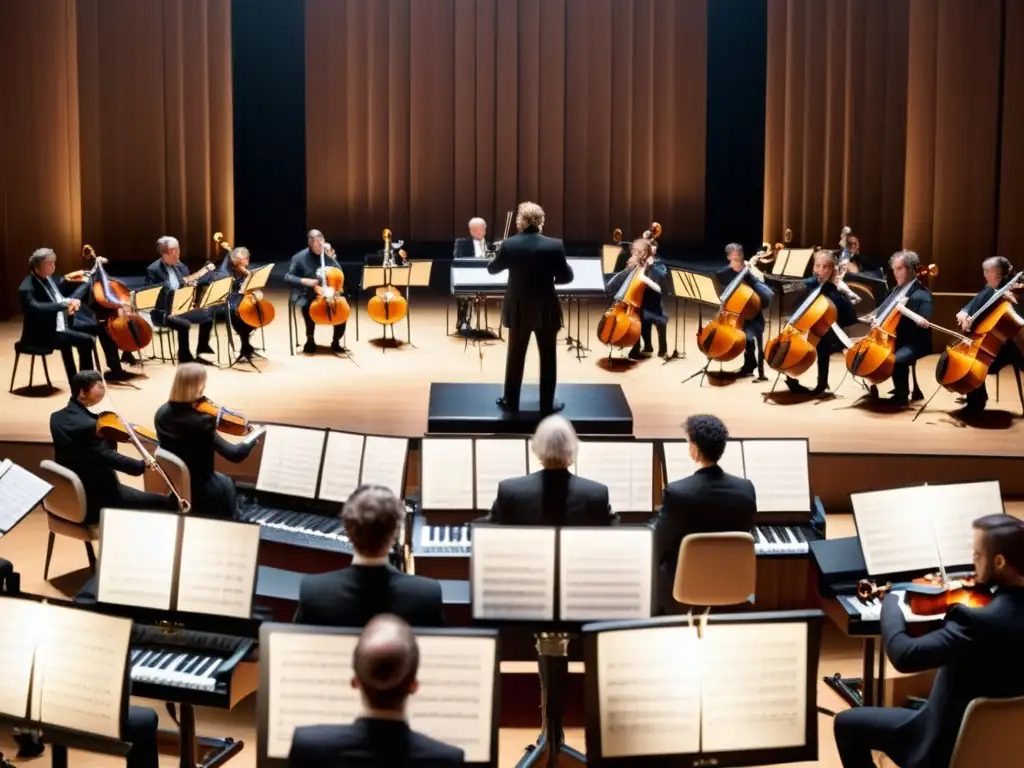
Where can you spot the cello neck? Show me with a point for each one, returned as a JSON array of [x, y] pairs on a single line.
[[997, 296]]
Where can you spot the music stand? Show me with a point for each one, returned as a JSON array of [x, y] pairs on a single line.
[[20, 493], [610, 257], [790, 263], [257, 281], [699, 288], [214, 297]]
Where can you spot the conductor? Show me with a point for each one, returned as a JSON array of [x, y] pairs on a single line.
[[535, 264]]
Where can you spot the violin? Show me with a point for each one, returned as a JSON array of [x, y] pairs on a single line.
[[253, 309], [794, 350], [115, 305], [723, 338], [228, 422], [109, 426], [330, 307], [620, 325], [387, 306], [931, 595]]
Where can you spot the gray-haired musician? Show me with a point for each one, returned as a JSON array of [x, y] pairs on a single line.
[[472, 247]]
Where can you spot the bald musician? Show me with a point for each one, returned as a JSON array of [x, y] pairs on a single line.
[[385, 663], [472, 247]]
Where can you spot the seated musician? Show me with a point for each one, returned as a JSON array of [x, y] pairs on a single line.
[[302, 276], [827, 277], [553, 495], [370, 586], [169, 273], [385, 663], [474, 246], [855, 258], [753, 328], [913, 341], [996, 271], [192, 437], [976, 652], [643, 253], [236, 266], [709, 501], [97, 461]]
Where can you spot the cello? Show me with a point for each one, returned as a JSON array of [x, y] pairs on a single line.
[[253, 308], [723, 338], [794, 350], [387, 306], [330, 307], [620, 326], [114, 303]]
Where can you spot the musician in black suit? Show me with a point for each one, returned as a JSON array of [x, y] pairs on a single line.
[[169, 273], [644, 254], [302, 277], [385, 662], [753, 328], [236, 266], [370, 586], [708, 501], [996, 270], [472, 247], [913, 339], [535, 264], [553, 495], [96, 461], [976, 652], [192, 437], [825, 275]]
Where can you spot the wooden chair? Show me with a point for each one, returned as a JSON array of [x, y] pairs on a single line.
[[66, 511], [715, 569], [23, 348], [990, 735]]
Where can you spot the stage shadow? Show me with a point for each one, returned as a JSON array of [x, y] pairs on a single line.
[[36, 391], [70, 584], [988, 419], [616, 364], [387, 343], [785, 397]]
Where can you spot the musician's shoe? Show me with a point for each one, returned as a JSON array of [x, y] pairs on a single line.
[[759, 378], [203, 360], [309, 347], [128, 358], [900, 398], [337, 348], [743, 372], [638, 355], [916, 395], [796, 387], [185, 357], [556, 406], [505, 405], [821, 391], [118, 376]]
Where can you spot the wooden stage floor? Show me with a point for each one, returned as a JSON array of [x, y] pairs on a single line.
[[385, 391]]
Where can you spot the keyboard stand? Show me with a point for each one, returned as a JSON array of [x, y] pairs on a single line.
[[193, 750], [862, 691], [553, 660]]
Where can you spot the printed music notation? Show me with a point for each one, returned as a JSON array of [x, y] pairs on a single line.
[[343, 459], [384, 462], [780, 473], [954, 508], [17, 646], [625, 467], [136, 563], [290, 464], [513, 573], [497, 460], [447, 476], [456, 690], [606, 574], [20, 492], [309, 684], [218, 567]]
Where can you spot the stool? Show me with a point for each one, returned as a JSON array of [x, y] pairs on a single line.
[[23, 348]]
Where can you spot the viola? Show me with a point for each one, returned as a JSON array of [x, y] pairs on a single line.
[[620, 326], [330, 307], [109, 426], [115, 306], [228, 422], [387, 306], [723, 338], [930, 595], [794, 350]]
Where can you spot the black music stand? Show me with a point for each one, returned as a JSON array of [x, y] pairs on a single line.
[[256, 281]]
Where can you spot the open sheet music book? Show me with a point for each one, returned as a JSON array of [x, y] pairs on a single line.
[[165, 562], [306, 673], [917, 529], [778, 468], [63, 667], [351, 460], [658, 689], [547, 574], [291, 461], [497, 460], [626, 467], [20, 493]]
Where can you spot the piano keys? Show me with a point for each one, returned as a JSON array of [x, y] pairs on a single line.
[[782, 539]]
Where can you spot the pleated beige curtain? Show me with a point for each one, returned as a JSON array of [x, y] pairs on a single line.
[[424, 113]]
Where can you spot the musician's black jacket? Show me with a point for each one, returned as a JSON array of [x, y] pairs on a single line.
[[726, 275], [977, 653], [40, 324], [909, 333], [535, 263], [651, 304], [551, 497], [845, 316], [305, 263], [158, 273], [464, 248], [709, 501], [369, 742], [354, 595], [96, 461]]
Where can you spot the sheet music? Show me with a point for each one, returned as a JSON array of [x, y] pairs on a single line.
[[754, 688], [513, 573], [384, 462], [17, 647], [606, 574], [343, 461], [20, 492], [218, 567], [497, 460], [291, 461], [954, 509], [80, 670], [780, 474], [454, 702], [894, 528], [446, 481], [648, 706], [625, 467], [678, 463], [136, 563], [310, 684]]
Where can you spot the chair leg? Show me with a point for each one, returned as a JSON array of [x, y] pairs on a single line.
[[46, 372], [91, 554], [49, 554], [31, 370], [14, 373], [1020, 388], [997, 387]]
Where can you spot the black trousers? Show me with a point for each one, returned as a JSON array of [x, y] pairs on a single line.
[[214, 497], [183, 323], [515, 362], [861, 730], [70, 339], [750, 360], [140, 731], [645, 337], [828, 344], [339, 330], [1008, 354], [99, 331], [132, 498], [905, 357]]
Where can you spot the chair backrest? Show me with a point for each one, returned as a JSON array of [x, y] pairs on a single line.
[[176, 471], [715, 569], [990, 735], [67, 499]]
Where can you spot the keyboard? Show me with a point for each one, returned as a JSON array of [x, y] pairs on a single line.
[[445, 539], [782, 539]]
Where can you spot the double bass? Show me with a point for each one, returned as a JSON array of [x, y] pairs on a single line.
[[387, 306], [115, 307], [723, 338], [620, 326], [330, 307], [794, 350]]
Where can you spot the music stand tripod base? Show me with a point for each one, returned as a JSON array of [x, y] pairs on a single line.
[[553, 663]]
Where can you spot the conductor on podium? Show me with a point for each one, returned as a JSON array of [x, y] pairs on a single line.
[[535, 264]]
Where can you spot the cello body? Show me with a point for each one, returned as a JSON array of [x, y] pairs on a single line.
[[129, 330], [620, 325], [334, 310], [874, 356], [387, 305], [963, 367], [255, 311], [723, 338], [794, 350]]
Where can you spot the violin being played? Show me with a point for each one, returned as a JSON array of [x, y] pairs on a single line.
[[931, 594], [624, 324]]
